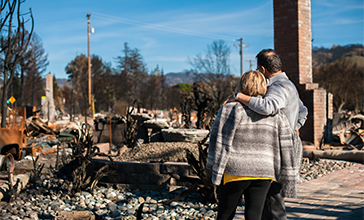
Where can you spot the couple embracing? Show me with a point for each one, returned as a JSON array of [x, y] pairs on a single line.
[[254, 148]]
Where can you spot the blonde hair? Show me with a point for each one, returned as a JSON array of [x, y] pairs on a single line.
[[253, 83]]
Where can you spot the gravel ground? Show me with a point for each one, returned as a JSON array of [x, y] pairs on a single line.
[[312, 169], [50, 196], [159, 152]]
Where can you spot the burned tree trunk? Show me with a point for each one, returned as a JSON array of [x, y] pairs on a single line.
[[203, 104], [13, 46], [131, 128], [186, 107], [82, 153]]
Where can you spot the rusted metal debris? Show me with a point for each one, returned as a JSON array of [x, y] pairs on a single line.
[[36, 126], [14, 138]]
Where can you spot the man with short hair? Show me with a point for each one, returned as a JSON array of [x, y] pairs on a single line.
[[281, 95]]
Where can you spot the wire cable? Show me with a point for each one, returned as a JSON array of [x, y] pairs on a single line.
[[161, 28]]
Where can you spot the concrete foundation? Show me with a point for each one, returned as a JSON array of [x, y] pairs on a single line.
[[146, 176]]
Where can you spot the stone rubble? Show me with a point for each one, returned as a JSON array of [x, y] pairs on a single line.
[[50, 196]]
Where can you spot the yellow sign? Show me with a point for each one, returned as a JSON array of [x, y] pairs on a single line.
[[12, 99]]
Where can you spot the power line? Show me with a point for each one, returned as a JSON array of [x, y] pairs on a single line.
[[162, 28]]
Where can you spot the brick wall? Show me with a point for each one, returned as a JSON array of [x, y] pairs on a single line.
[[320, 116], [285, 29], [292, 38], [292, 41]]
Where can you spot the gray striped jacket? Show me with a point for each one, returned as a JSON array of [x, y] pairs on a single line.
[[244, 143]]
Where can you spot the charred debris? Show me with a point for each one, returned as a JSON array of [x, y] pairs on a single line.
[[74, 146]]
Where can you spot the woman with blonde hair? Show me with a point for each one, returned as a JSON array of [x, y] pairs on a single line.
[[253, 83], [244, 152]]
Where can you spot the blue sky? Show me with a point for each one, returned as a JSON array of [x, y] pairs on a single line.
[[167, 32]]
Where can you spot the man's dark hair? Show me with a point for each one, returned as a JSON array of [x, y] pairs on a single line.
[[270, 60]]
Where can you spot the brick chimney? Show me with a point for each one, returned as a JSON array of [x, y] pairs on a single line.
[[292, 41]]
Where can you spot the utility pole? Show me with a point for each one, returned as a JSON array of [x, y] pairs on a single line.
[[241, 54], [250, 64], [89, 65]]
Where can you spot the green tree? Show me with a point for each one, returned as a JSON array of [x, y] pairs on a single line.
[[187, 87]]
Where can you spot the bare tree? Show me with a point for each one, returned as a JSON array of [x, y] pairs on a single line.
[[154, 97], [67, 94], [76, 70], [14, 43], [214, 70], [202, 104], [173, 95], [58, 95], [131, 76], [101, 89], [32, 65], [101, 78]]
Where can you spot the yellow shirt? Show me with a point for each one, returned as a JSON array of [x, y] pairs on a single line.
[[230, 178]]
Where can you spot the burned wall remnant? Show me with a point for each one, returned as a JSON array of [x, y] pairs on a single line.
[[292, 41], [110, 129], [48, 108]]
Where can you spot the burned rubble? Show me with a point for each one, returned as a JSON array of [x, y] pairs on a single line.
[[345, 142], [60, 184]]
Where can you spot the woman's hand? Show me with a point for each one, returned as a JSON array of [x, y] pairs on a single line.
[[230, 98], [240, 97], [297, 131]]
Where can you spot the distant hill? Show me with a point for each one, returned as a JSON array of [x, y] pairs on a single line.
[[61, 82], [321, 56], [176, 78]]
